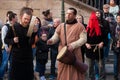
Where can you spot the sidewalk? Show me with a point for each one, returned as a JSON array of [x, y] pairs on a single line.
[[109, 70], [108, 67]]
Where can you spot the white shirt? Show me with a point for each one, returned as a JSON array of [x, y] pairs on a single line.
[[3, 34]]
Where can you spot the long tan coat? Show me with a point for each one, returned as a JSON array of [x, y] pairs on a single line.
[[76, 36]]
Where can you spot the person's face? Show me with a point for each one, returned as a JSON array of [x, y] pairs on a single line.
[[50, 15], [56, 23], [37, 21], [79, 19], [112, 2], [106, 9], [16, 18], [35, 29], [118, 19], [44, 37], [98, 14], [25, 19], [70, 15]]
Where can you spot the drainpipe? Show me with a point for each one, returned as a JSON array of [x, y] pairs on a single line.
[[62, 12], [27, 3]]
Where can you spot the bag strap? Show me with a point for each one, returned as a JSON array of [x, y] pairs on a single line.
[[65, 34]]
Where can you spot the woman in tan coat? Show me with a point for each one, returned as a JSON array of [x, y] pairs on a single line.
[[76, 37]]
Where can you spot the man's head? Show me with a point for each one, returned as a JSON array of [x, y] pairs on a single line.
[[99, 14], [7, 15], [25, 16], [56, 22], [16, 18], [12, 18], [71, 14], [106, 8]]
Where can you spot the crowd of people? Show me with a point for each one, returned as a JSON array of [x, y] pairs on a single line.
[[86, 45]]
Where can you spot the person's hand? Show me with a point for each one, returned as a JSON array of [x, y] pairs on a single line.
[[8, 50], [70, 48], [49, 42], [100, 45], [88, 46], [16, 40], [118, 43], [50, 25]]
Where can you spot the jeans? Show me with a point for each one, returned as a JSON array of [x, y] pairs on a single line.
[[9, 67], [40, 68], [34, 52], [115, 64], [95, 68], [53, 55], [4, 64], [106, 49]]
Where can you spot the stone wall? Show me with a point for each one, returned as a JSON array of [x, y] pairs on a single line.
[[38, 6]]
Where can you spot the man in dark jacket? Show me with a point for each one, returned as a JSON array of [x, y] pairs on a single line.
[[53, 48]]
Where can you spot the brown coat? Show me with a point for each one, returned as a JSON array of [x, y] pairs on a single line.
[[76, 36]]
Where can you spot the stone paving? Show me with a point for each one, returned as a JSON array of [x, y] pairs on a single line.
[[108, 67]]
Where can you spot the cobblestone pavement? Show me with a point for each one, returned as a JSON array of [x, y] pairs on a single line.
[[109, 70], [108, 67]]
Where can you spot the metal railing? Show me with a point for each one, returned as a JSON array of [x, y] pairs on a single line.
[[98, 3], [95, 3]]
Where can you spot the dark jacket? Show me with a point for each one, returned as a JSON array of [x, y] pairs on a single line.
[[22, 51], [96, 40], [42, 51], [112, 23], [50, 34]]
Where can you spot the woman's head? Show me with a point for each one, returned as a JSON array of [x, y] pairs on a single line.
[[47, 14], [80, 18], [112, 3], [118, 18], [38, 22]]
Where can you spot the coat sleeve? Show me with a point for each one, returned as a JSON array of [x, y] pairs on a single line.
[[82, 40], [55, 38]]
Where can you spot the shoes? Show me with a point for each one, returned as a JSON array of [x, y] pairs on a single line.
[[51, 77], [42, 78]]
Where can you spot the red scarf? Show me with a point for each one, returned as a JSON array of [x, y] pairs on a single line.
[[93, 26]]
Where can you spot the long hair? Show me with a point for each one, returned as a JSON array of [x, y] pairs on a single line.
[[93, 27]]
